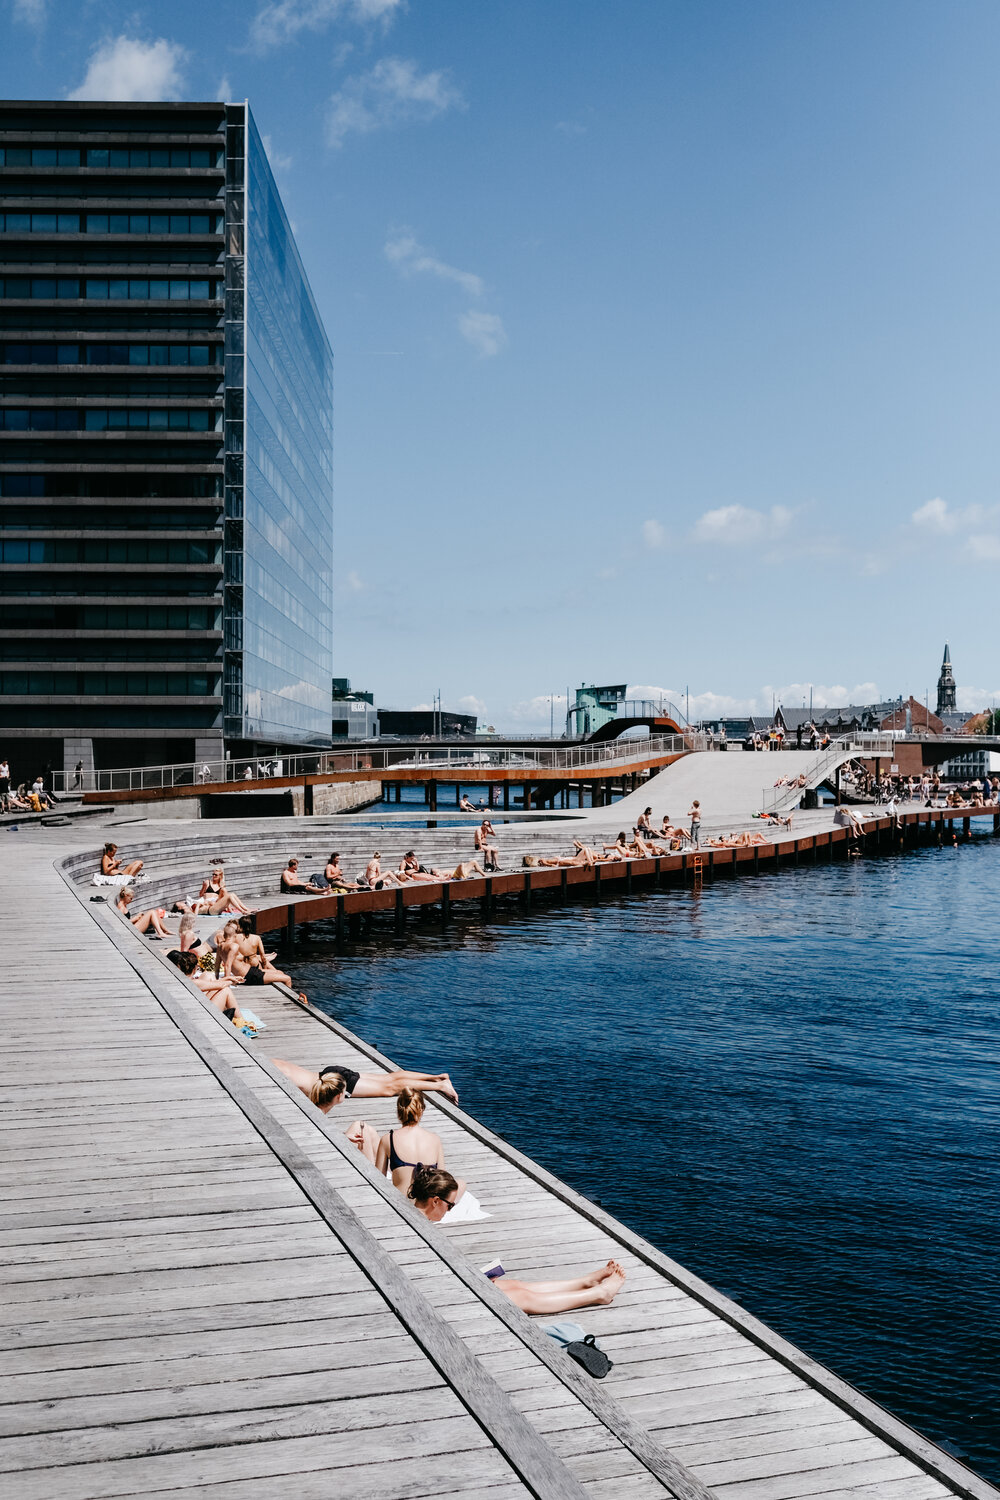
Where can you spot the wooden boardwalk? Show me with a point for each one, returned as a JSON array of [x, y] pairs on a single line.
[[208, 1292]]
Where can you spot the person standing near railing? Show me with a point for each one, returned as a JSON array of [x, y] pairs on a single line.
[[695, 816]]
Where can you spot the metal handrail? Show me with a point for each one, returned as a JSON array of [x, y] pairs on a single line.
[[775, 798], [435, 760]]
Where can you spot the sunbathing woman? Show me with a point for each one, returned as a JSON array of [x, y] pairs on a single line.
[[619, 849], [112, 865], [411, 1145], [151, 922], [241, 955], [214, 898], [434, 1192], [364, 1085]]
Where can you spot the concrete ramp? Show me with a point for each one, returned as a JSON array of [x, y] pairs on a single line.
[[730, 786]]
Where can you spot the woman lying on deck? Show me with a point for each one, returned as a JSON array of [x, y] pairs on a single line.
[[150, 922], [332, 1083], [434, 1192]]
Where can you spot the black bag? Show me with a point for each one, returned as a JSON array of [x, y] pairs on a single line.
[[587, 1354]]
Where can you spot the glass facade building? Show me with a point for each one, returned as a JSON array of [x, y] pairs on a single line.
[[165, 443]]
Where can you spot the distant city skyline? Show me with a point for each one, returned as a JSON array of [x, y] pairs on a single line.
[[665, 334]]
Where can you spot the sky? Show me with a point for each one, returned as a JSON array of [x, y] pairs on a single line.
[[665, 330]]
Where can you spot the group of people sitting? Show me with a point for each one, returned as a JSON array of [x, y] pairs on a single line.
[[333, 882], [413, 1158], [27, 799]]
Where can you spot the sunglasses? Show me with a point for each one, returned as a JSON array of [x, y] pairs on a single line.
[[449, 1203]]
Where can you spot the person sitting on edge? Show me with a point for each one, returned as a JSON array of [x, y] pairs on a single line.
[[411, 869], [241, 956], [465, 805], [642, 822], [143, 921], [489, 851], [335, 877], [361, 1085], [666, 827], [293, 884], [112, 865], [434, 1192]]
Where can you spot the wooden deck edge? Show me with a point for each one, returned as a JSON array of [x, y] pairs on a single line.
[[923, 1451], [534, 1462]]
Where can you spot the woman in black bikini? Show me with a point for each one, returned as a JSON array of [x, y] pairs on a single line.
[[400, 1151], [362, 1085]]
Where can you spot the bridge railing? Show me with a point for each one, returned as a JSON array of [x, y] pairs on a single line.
[[858, 746], [435, 761]]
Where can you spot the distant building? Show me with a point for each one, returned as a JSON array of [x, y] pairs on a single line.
[[972, 764], [946, 686], [594, 707], [414, 723], [353, 715]]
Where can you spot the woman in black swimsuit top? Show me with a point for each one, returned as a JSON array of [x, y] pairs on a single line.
[[401, 1151]]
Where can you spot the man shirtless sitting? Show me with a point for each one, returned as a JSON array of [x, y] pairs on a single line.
[[292, 883]]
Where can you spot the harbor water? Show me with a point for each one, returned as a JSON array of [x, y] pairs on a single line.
[[788, 1083]]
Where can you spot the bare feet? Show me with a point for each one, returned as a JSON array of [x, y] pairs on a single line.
[[612, 1285], [448, 1088]]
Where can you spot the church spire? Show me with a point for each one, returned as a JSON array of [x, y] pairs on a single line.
[[946, 685]]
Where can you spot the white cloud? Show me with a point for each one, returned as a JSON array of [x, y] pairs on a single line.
[[280, 162], [471, 705], [534, 712], [283, 20], [31, 12], [935, 516], [410, 258], [653, 534], [484, 331], [984, 548], [125, 70], [570, 127], [938, 519], [972, 699], [394, 92], [738, 525], [224, 90], [354, 582]]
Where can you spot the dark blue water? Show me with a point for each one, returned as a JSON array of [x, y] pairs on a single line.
[[789, 1083]]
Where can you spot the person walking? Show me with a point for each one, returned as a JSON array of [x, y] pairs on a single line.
[[78, 776], [695, 816]]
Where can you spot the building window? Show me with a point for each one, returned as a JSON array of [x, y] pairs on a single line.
[[109, 419], [133, 289]]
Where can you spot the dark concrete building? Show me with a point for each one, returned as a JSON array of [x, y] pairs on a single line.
[[165, 443]]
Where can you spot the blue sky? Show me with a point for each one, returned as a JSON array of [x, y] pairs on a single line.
[[666, 330]]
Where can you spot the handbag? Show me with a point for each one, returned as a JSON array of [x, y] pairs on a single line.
[[593, 1359]]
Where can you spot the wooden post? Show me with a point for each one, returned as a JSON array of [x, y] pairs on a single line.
[[597, 881], [307, 797], [290, 927], [562, 884], [340, 919], [526, 799], [400, 910], [445, 904], [399, 791], [432, 796], [488, 898], [527, 887], [506, 795], [628, 877], [458, 793]]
